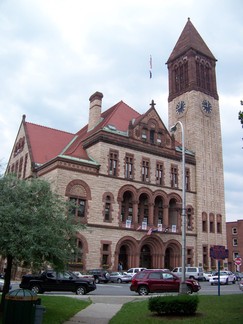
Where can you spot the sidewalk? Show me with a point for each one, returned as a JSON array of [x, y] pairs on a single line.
[[102, 309]]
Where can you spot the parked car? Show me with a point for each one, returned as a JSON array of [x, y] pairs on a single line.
[[120, 277], [100, 275], [57, 281], [82, 275], [155, 281], [241, 284], [191, 272], [239, 275], [133, 271], [207, 275], [2, 283], [224, 277]]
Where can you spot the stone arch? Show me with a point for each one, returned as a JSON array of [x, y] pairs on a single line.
[[174, 217], [172, 254], [151, 250], [78, 188], [126, 252], [125, 188]]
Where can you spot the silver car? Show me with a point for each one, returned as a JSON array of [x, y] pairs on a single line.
[[120, 277]]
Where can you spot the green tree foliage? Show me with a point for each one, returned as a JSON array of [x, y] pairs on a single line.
[[35, 227], [241, 117]]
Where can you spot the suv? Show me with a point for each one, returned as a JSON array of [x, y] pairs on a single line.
[[100, 275], [155, 281], [191, 272]]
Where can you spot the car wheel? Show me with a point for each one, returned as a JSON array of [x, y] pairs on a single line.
[[119, 280], [227, 281], [143, 291], [80, 290], [211, 284], [36, 289], [233, 281], [97, 280]]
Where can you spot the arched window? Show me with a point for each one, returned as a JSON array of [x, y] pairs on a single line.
[[78, 193]]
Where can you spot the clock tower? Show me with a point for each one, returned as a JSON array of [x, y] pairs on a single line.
[[193, 100]]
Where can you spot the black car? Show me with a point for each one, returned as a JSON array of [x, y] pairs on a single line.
[[100, 275], [57, 281]]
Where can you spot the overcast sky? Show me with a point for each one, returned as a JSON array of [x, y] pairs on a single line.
[[55, 54]]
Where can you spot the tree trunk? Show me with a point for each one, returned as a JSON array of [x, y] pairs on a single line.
[[7, 280]]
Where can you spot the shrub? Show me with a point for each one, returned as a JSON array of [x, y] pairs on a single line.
[[176, 305]]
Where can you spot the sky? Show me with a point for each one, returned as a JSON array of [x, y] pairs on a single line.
[[56, 53]]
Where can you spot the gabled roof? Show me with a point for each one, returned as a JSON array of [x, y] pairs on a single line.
[[45, 143], [190, 39], [116, 118]]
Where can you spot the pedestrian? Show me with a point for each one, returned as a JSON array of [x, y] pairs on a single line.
[[119, 266]]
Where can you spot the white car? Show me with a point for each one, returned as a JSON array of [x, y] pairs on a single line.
[[133, 271], [224, 277], [207, 275]]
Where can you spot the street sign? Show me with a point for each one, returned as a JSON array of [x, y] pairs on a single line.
[[219, 252], [238, 261]]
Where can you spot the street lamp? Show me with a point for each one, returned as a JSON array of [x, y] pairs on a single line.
[[183, 286]]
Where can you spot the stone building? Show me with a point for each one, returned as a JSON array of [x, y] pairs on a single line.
[[124, 170]]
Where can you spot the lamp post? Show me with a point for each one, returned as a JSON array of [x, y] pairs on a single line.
[[183, 286]]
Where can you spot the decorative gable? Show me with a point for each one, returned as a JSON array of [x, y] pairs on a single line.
[[150, 129]]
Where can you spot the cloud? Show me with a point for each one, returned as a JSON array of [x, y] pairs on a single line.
[[56, 53]]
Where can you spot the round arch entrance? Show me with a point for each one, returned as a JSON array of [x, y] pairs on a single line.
[[172, 255]]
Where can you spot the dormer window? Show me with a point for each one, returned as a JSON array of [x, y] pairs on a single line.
[[152, 133], [144, 135]]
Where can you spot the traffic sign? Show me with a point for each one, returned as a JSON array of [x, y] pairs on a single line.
[[238, 261]]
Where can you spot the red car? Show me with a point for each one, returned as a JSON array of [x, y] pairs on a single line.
[[155, 281]]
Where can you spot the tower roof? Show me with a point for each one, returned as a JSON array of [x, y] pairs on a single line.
[[190, 39]]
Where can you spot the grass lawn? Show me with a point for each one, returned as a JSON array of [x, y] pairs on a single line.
[[211, 309], [59, 309]]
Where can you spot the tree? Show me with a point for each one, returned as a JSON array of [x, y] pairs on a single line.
[[241, 117], [35, 226]]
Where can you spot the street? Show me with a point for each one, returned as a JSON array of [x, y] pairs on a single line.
[[112, 289]]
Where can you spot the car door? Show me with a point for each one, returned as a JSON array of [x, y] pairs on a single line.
[[65, 281], [50, 282], [155, 281], [170, 282]]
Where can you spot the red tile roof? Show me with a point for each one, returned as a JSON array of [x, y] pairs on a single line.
[[46, 143], [118, 116]]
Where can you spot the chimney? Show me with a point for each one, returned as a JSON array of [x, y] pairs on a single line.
[[95, 109]]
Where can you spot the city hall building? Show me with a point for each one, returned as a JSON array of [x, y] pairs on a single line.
[[124, 170]]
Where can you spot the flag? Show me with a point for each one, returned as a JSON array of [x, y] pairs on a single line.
[[150, 66], [149, 231], [139, 227]]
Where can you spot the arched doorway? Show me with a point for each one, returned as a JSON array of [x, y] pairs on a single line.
[[123, 256], [145, 257], [172, 257]]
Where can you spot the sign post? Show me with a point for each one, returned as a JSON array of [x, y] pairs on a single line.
[[238, 262], [219, 252]]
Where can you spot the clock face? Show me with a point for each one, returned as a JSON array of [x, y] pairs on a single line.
[[206, 106], [180, 107]]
